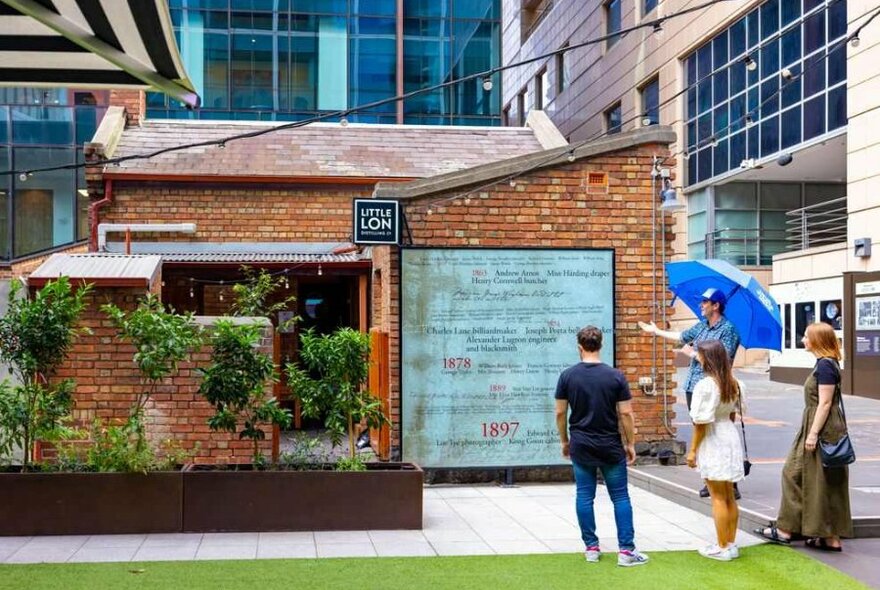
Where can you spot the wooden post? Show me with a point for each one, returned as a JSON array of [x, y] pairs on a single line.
[[380, 387], [363, 309]]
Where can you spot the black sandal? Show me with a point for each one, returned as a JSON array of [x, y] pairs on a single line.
[[773, 537], [820, 544]]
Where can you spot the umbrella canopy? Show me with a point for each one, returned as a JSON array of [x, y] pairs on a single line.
[[749, 306], [92, 44]]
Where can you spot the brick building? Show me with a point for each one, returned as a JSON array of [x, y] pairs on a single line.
[[283, 202]]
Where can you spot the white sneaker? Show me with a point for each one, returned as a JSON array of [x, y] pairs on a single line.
[[733, 549], [717, 553], [631, 558], [592, 554]]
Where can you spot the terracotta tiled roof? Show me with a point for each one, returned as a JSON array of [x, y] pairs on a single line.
[[320, 149]]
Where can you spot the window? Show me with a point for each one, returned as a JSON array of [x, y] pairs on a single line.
[[505, 116], [613, 120], [651, 102], [749, 112], [563, 71], [542, 90], [649, 6], [612, 21], [521, 108], [533, 13]]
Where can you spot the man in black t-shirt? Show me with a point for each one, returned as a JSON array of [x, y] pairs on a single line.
[[601, 411]]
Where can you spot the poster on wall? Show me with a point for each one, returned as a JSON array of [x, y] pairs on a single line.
[[868, 343], [485, 334], [867, 313]]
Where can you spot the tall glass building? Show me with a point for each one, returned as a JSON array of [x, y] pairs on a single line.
[[280, 60], [292, 59]]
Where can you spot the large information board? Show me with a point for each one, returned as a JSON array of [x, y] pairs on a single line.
[[485, 334]]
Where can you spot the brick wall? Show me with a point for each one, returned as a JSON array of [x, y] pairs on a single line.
[[134, 102], [547, 208], [237, 213], [107, 381], [552, 208]]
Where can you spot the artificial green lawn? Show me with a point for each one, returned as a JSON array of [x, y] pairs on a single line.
[[763, 567]]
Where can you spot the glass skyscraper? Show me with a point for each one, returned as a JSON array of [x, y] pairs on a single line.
[[291, 59], [282, 60]]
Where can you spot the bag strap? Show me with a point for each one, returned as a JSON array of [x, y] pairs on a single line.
[[741, 422], [839, 392]]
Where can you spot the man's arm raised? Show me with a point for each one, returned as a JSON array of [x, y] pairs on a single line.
[[651, 328]]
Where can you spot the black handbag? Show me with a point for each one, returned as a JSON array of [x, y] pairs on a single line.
[[840, 453], [747, 465]]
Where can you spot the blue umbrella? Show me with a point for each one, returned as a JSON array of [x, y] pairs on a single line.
[[749, 307]]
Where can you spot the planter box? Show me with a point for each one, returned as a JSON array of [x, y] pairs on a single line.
[[90, 503], [386, 496]]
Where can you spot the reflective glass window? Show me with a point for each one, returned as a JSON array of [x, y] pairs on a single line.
[[651, 101], [44, 207], [613, 119], [612, 20]]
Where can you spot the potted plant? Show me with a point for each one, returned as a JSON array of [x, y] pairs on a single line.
[[286, 497]]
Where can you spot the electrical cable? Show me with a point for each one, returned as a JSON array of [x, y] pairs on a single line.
[[345, 112]]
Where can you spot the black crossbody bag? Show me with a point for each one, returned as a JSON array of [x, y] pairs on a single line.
[[840, 453]]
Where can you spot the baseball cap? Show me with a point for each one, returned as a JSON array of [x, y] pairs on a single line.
[[713, 295]]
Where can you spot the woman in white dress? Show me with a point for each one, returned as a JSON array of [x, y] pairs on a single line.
[[716, 446]]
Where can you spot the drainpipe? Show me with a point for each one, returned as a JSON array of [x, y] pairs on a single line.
[[93, 214], [128, 228]]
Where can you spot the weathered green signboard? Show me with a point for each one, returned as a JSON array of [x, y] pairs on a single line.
[[485, 334]]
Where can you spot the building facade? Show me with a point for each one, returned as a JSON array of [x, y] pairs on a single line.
[[278, 60], [763, 96], [290, 60]]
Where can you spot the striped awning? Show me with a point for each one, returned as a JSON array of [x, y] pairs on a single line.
[[92, 44]]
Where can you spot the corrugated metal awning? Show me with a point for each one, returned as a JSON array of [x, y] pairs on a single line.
[[92, 44], [104, 270], [330, 253]]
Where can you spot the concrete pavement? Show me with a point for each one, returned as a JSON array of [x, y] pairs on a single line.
[[459, 520]]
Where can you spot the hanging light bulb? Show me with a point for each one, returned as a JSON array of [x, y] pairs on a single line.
[[786, 74], [430, 211], [221, 145], [751, 65], [221, 291], [487, 84], [467, 200], [713, 142], [749, 119], [343, 122], [855, 41], [658, 30], [192, 292], [571, 157], [320, 272], [286, 281], [512, 182]]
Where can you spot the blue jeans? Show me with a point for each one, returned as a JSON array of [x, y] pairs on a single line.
[[615, 480]]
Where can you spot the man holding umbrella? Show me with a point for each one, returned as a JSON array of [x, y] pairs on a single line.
[[714, 326]]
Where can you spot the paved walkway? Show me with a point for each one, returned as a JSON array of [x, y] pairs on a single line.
[[459, 520], [773, 416]]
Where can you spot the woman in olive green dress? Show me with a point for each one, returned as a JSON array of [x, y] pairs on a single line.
[[815, 499]]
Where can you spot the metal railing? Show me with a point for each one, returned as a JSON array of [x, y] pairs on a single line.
[[817, 225], [744, 247]]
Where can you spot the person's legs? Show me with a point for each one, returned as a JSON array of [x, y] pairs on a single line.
[[733, 514], [616, 482], [585, 482], [720, 491]]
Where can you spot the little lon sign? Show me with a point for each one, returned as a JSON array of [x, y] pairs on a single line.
[[376, 222]]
